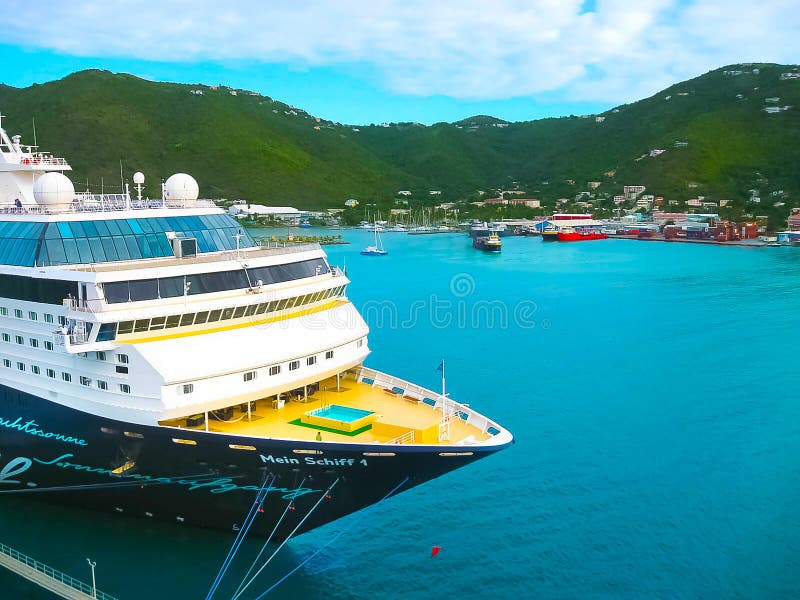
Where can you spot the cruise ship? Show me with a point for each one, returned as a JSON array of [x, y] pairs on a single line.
[[159, 363]]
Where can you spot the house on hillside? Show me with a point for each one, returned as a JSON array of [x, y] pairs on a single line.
[[351, 203]]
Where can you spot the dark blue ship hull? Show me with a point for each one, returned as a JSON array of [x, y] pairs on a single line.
[[53, 453]]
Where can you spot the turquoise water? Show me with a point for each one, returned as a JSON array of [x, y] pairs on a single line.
[[652, 390], [344, 414]]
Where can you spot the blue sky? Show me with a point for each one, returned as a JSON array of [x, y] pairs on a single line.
[[403, 60]]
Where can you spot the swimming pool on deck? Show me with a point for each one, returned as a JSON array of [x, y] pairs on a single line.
[[340, 418]]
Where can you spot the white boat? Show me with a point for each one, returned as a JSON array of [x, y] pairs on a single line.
[[377, 247]]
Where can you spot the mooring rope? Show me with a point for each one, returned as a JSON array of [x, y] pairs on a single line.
[[283, 543], [331, 541], [248, 522], [266, 543]]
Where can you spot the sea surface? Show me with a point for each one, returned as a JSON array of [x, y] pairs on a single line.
[[652, 389]]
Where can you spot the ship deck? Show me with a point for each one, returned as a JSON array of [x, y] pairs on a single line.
[[399, 418]]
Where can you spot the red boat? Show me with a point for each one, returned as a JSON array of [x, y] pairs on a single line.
[[580, 236]]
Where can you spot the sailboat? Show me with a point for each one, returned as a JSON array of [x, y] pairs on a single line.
[[377, 248]]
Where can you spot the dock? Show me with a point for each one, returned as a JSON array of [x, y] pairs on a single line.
[[60, 584]]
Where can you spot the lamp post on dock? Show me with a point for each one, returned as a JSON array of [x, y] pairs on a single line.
[[94, 583]]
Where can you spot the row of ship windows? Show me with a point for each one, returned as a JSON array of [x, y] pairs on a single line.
[[33, 315], [67, 377], [212, 316], [48, 345], [188, 388]]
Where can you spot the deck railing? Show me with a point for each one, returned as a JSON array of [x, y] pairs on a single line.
[[54, 574], [406, 438], [92, 203], [271, 249], [448, 407]]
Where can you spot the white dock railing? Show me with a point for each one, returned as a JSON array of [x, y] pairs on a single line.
[[47, 577], [433, 399]]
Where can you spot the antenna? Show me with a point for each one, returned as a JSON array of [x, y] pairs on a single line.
[[33, 119], [121, 178]]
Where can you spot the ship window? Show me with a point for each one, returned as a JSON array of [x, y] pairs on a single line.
[[3, 311], [262, 308], [294, 365], [66, 376], [102, 385], [125, 327], [34, 342], [6, 337], [35, 369], [186, 388], [311, 360], [18, 313], [201, 317], [33, 316], [48, 345], [329, 355], [123, 358], [185, 442], [250, 376], [173, 321], [143, 289], [6, 363], [239, 312], [21, 366], [100, 355], [187, 319], [121, 369], [48, 318], [141, 325], [85, 380], [275, 370], [62, 320], [125, 389], [19, 339], [226, 314], [281, 304], [51, 373], [107, 332], [213, 316], [251, 310], [359, 343], [273, 306], [157, 323]]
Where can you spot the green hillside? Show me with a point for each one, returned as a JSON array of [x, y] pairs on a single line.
[[250, 146]]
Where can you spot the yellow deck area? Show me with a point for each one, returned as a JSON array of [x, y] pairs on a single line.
[[396, 417]]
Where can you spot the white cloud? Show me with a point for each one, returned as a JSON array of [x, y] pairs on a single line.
[[466, 49]]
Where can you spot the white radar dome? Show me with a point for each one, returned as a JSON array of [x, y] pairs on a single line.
[[54, 189], [181, 186], [138, 177]]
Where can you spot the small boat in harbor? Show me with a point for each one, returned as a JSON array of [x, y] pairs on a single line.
[[550, 235], [377, 248], [489, 243], [571, 235]]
